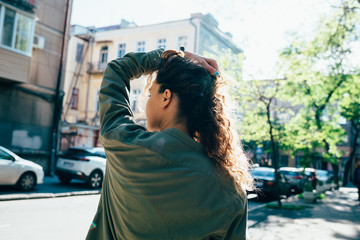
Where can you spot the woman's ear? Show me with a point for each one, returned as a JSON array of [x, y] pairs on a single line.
[[166, 98]]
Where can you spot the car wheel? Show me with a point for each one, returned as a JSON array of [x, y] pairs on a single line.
[[95, 179], [27, 181], [64, 179]]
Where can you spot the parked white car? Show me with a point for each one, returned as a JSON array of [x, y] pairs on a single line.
[[15, 170], [87, 164]]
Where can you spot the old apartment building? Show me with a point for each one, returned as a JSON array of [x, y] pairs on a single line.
[[90, 49], [32, 37]]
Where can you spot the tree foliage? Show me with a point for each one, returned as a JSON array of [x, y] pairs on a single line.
[[301, 112], [317, 70], [350, 110]]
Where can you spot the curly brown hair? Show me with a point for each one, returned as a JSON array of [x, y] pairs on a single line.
[[203, 107]]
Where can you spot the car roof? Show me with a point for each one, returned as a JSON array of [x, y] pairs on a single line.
[[264, 169], [293, 169]]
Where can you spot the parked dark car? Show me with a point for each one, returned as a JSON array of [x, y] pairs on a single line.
[[310, 176], [265, 182], [87, 164], [323, 176], [294, 177]]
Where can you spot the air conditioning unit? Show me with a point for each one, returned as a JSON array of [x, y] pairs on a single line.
[[39, 42]]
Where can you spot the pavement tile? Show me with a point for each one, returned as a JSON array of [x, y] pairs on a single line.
[[335, 217]]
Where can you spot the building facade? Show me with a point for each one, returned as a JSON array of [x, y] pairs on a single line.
[[90, 49], [32, 37]]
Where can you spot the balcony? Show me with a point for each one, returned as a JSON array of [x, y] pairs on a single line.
[[14, 67], [25, 5], [97, 67]]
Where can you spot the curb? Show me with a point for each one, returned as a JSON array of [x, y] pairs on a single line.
[[257, 207], [290, 200], [46, 195]]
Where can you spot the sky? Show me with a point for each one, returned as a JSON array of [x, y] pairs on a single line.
[[260, 27]]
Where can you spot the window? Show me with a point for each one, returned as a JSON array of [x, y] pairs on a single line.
[[16, 30], [8, 28], [104, 54], [74, 102], [182, 41], [122, 50], [284, 161], [161, 43], [103, 58], [79, 52], [297, 161], [141, 46], [23, 33], [5, 156], [134, 99], [97, 92]]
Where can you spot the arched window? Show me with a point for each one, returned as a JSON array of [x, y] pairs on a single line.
[[103, 58], [104, 54]]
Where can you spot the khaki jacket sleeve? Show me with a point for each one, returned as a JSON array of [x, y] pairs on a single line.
[[238, 227], [115, 108]]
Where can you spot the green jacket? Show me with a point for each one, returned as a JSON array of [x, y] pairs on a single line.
[[158, 185]]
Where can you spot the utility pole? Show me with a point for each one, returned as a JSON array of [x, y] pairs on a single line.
[[58, 99]]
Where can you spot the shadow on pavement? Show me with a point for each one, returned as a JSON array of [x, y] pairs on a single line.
[[338, 211]]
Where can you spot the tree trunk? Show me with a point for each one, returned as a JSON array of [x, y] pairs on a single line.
[[334, 166], [274, 155], [346, 171], [351, 160]]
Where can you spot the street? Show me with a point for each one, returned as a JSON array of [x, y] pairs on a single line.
[[51, 218], [335, 217]]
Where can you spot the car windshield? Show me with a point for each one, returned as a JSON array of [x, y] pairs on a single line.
[[321, 173], [262, 173], [78, 152], [289, 173]]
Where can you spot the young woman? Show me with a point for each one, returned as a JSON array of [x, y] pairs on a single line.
[[181, 178]]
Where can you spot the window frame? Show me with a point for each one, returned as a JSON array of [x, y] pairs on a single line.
[[78, 55], [74, 98], [104, 50], [181, 43], [97, 102], [161, 43], [124, 45], [12, 48], [134, 99], [5, 159], [142, 46]]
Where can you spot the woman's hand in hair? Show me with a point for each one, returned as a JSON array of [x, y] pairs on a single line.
[[208, 63]]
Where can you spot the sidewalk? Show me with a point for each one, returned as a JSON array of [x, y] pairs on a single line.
[[335, 217], [49, 189]]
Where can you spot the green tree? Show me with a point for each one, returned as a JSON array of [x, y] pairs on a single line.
[[316, 70], [259, 108], [350, 110]]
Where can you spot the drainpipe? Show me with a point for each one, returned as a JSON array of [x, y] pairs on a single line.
[[58, 96], [92, 31], [195, 41]]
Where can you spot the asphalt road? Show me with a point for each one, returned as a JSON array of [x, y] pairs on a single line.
[[51, 218]]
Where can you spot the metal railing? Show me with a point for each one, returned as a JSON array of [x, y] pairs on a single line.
[[97, 66]]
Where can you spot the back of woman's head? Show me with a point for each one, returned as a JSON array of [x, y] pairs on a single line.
[[202, 107]]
